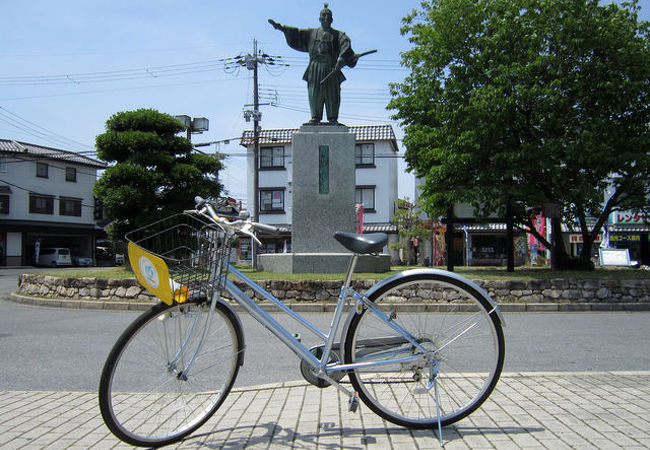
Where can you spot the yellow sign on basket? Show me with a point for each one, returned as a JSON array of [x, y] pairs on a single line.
[[152, 273]]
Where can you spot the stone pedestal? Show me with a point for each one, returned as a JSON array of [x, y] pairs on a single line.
[[323, 187]]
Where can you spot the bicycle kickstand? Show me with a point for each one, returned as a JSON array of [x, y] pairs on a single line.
[[433, 382], [435, 389]]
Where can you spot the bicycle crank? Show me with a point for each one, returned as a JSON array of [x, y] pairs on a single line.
[[308, 371]]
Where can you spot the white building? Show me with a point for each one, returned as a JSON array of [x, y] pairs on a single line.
[[46, 198], [376, 179]]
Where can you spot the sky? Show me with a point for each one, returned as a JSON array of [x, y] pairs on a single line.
[[69, 65]]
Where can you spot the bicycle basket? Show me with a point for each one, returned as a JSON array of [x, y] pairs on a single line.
[[179, 257]]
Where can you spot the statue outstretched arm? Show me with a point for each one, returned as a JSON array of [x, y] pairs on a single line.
[[296, 38], [277, 26]]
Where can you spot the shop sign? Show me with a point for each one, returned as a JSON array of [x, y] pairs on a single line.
[[577, 238], [630, 218], [625, 237]]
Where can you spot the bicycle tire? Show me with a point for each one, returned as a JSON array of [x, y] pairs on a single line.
[[441, 312], [144, 397]]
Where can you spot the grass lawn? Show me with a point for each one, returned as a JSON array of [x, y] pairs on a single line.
[[480, 273]]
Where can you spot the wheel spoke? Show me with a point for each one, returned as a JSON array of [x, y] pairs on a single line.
[[143, 399], [461, 335]]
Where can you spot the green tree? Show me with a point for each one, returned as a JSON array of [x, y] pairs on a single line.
[[409, 227], [528, 103], [152, 172]]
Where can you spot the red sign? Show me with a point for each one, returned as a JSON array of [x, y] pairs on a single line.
[[540, 226], [631, 218], [358, 217], [577, 238]]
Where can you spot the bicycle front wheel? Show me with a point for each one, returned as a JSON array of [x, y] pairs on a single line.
[[452, 323], [149, 393]]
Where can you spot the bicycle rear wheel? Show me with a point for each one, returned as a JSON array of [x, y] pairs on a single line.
[[146, 396], [447, 316]]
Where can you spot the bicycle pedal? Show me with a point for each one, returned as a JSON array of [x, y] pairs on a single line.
[[353, 403]]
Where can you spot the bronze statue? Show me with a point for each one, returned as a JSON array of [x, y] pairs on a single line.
[[329, 50]]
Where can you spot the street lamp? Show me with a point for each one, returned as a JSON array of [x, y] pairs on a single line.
[[196, 125]]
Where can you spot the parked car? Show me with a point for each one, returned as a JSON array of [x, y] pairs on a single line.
[[107, 256], [82, 261], [54, 257]]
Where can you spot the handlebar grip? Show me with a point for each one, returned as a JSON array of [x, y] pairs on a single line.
[[267, 228]]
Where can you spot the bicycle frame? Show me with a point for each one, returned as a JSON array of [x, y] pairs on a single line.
[[203, 340], [328, 338]]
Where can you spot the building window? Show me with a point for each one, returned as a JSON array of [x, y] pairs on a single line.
[[3, 164], [71, 174], [268, 247], [70, 207], [366, 196], [272, 158], [364, 155], [272, 201], [4, 204], [41, 170], [41, 204]]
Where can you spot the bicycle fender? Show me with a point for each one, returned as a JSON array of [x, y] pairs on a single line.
[[233, 314], [443, 273]]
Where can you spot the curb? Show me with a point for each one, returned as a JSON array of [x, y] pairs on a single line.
[[329, 307]]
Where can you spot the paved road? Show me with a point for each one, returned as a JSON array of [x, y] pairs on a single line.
[[55, 348]]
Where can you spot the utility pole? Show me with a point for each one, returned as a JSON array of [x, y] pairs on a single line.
[[251, 62]]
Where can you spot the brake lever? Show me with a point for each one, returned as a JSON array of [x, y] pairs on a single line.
[[247, 229]]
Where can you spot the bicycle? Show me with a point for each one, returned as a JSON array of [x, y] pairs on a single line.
[[422, 348]]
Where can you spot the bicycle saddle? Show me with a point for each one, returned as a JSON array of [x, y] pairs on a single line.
[[362, 243]]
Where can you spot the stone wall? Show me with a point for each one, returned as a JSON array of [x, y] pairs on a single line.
[[81, 288], [536, 291]]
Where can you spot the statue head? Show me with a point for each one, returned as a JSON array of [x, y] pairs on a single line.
[[326, 17]]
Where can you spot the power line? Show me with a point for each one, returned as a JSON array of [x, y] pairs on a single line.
[[58, 197], [102, 91], [114, 75], [36, 130], [342, 116], [230, 64]]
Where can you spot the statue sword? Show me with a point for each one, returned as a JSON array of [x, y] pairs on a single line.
[[338, 69]]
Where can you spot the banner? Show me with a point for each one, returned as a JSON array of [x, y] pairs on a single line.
[[540, 226], [358, 218]]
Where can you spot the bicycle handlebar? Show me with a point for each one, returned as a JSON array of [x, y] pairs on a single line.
[[268, 228], [206, 208]]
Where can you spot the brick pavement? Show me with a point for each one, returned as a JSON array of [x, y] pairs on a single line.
[[604, 410]]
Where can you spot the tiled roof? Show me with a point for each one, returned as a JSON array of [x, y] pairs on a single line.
[[39, 151], [279, 136], [283, 135]]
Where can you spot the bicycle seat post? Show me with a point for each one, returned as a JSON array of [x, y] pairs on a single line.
[[351, 267]]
